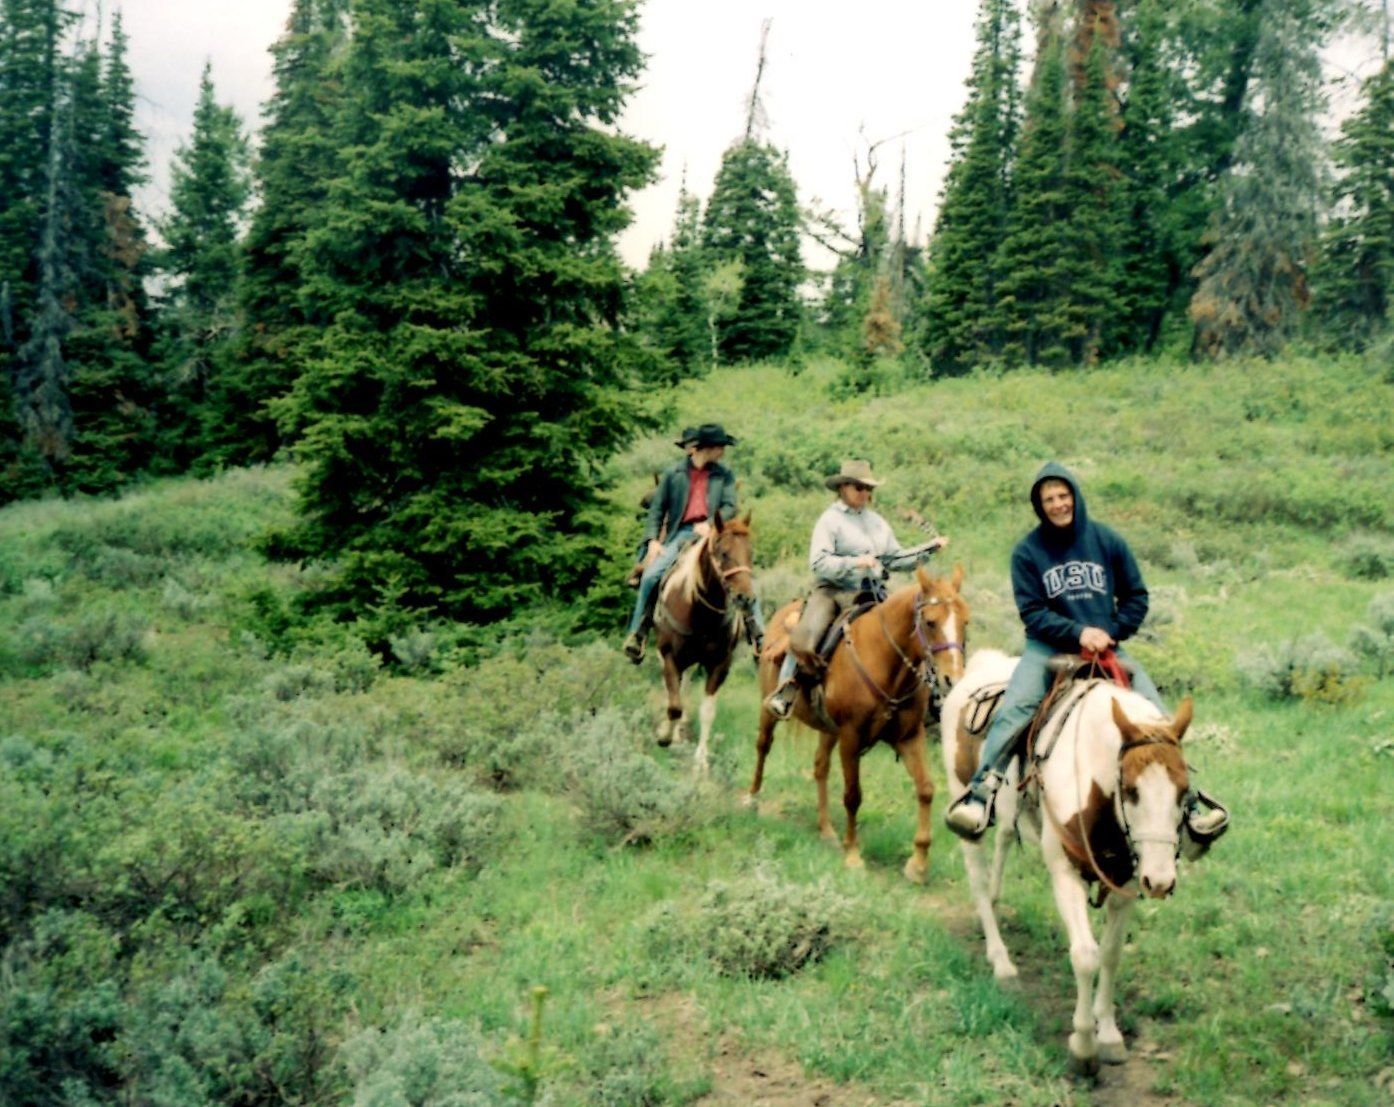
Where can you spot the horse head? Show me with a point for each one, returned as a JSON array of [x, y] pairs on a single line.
[[1152, 786], [943, 617], [730, 554]]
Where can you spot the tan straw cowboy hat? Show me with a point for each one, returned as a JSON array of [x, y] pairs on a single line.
[[853, 471]]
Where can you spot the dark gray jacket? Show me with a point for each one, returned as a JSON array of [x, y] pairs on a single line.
[[665, 511]]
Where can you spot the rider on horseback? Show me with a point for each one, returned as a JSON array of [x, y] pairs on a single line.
[[689, 494], [1077, 587], [851, 549]]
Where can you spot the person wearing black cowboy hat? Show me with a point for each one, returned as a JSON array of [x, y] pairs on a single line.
[[686, 442], [687, 497], [851, 550]]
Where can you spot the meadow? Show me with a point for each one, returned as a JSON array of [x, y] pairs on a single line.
[[243, 859]]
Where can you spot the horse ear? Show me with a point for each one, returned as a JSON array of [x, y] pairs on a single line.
[[1182, 719], [1122, 722], [746, 520], [957, 578], [924, 580], [716, 521]]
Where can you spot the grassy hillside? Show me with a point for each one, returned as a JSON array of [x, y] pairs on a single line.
[[241, 862]]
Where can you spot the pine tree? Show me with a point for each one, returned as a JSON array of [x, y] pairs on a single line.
[[1147, 156], [1253, 284], [113, 391], [296, 161], [753, 218], [473, 378], [673, 313], [1034, 263], [209, 191], [1090, 313], [1354, 281], [959, 322]]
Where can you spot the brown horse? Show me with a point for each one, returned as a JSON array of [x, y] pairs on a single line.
[[876, 690], [700, 620]]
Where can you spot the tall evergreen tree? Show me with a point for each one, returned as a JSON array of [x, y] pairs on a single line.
[[473, 378], [1354, 280], [1033, 263], [672, 304], [297, 159], [959, 322], [209, 190], [1253, 284], [753, 218]]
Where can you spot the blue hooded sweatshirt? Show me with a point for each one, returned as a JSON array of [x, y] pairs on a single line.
[[1069, 578]]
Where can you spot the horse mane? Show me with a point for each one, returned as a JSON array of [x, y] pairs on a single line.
[[685, 574]]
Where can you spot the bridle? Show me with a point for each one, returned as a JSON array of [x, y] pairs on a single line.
[[722, 576], [922, 670]]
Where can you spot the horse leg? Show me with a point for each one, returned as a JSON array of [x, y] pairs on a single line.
[[912, 755], [851, 797], [980, 888], [1111, 1047], [1072, 900], [706, 715], [764, 739], [822, 760], [671, 727]]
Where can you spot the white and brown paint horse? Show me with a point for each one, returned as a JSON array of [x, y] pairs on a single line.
[[700, 620], [1105, 805], [876, 690]]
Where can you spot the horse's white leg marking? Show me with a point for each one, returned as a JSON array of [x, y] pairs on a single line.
[[706, 715], [1111, 1047], [1072, 900], [978, 886]]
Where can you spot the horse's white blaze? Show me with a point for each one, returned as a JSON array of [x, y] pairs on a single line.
[[706, 715], [1153, 822]]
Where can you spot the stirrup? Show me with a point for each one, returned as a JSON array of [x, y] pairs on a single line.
[[974, 812], [1206, 818], [781, 701]]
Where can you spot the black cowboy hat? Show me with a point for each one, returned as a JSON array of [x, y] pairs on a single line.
[[713, 434], [687, 438]]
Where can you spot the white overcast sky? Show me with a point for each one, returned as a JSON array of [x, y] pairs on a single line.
[[879, 68]]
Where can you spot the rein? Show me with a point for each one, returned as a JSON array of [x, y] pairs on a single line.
[[723, 575]]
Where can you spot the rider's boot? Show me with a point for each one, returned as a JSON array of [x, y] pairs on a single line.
[[971, 814], [781, 701], [636, 641], [1205, 817]]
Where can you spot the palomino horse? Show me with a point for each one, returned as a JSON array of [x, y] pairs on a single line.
[[700, 621], [876, 690], [1105, 803]]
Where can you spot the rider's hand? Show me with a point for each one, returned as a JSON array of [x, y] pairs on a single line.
[[1095, 638], [867, 561], [702, 529], [651, 554], [939, 543]]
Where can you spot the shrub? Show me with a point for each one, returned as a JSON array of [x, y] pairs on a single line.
[[421, 1063], [1368, 557], [623, 794], [757, 926], [625, 1068], [1310, 668], [1374, 639], [95, 634]]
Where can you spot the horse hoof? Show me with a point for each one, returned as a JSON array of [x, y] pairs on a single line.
[[1087, 1067], [1113, 1053], [1005, 974], [750, 801], [663, 738], [854, 861], [915, 871]]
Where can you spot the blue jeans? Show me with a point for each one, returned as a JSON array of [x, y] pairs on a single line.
[[1029, 683], [648, 583]]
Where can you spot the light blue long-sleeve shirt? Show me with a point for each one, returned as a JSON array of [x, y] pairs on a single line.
[[842, 535]]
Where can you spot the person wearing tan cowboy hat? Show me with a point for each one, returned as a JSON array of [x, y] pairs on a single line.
[[686, 442], [687, 497], [850, 553]]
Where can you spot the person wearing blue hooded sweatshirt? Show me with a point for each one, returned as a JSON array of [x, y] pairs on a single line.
[[1077, 587]]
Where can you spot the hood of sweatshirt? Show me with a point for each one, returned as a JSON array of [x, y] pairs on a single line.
[[1048, 531]]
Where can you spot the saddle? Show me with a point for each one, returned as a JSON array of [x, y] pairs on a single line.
[[835, 633], [1069, 669]]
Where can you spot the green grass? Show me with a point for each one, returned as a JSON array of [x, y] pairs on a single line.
[[186, 738]]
